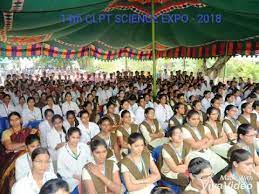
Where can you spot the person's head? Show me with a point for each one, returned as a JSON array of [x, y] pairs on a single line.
[[15, 119], [121, 94], [90, 97], [32, 142], [125, 117], [136, 143], [141, 102], [193, 118], [230, 111], [125, 105], [99, 150], [68, 97], [200, 171], [71, 116], [197, 105], [55, 186], [212, 113], [50, 100], [31, 101], [84, 116], [162, 190], [162, 99], [181, 98], [230, 98], [88, 106], [57, 122], [179, 108], [215, 102], [6, 99], [73, 136], [242, 161], [110, 108], [246, 133], [251, 98], [48, 113], [175, 134], [206, 94], [21, 100], [256, 105], [40, 160], [105, 124], [150, 113], [246, 108]]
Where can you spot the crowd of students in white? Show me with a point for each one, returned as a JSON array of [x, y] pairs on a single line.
[[104, 118]]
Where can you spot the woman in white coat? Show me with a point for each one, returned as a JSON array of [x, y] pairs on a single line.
[[69, 104], [71, 159], [34, 180]]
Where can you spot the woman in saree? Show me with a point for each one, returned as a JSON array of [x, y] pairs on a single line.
[[13, 141]]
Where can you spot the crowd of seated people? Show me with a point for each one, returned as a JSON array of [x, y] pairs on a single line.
[[99, 134]]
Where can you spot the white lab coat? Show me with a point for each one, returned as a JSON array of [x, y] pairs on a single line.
[[72, 106], [163, 115], [88, 133], [140, 115], [23, 166], [68, 166], [27, 185], [55, 108], [28, 115], [5, 111], [44, 128]]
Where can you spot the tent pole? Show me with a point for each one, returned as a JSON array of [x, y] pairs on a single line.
[[154, 51]]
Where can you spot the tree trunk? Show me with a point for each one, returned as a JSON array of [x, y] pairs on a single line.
[[214, 71]]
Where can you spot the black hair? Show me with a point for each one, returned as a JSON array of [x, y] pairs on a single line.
[[243, 129], [197, 165], [57, 116], [229, 107], [211, 109], [239, 155], [228, 96], [190, 113], [195, 102], [177, 106], [206, 92], [14, 114], [140, 98], [68, 93], [30, 98], [109, 104], [53, 186], [179, 95], [255, 104], [124, 112], [31, 139], [171, 130], [162, 190], [134, 137], [103, 119], [49, 97], [71, 112], [147, 110], [82, 112], [47, 111], [6, 95], [72, 130], [97, 142], [39, 151], [243, 106], [213, 100]]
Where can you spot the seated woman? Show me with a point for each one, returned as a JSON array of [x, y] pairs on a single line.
[[196, 135], [246, 135], [197, 106], [87, 128], [247, 116], [151, 130], [174, 158], [125, 105], [71, 159], [178, 118], [46, 126], [94, 116], [124, 131], [115, 118], [242, 177], [71, 120], [217, 134], [138, 168], [34, 180], [102, 175], [31, 113], [23, 164], [110, 139], [229, 123], [69, 104], [13, 141], [56, 138], [55, 186], [201, 174]]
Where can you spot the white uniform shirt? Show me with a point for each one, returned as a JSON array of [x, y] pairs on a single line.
[[55, 108], [163, 114], [205, 104], [68, 165], [72, 106], [88, 133], [27, 185], [140, 115], [20, 108], [23, 166], [5, 111], [53, 139], [28, 115], [44, 128]]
